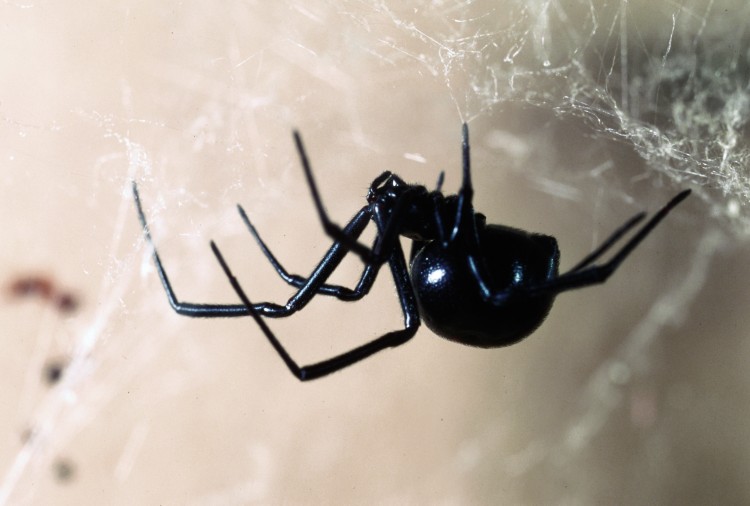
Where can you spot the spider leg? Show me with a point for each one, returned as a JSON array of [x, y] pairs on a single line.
[[332, 229], [388, 233], [306, 292], [580, 277], [322, 272], [325, 367], [611, 240], [183, 308], [354, 229], [464, 223]]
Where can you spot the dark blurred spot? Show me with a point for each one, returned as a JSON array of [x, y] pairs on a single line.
[[64, 470], [27, 435], [66, 302], [53, 371]]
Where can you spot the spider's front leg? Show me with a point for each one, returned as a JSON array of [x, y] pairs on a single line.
[[388, 233], [333, 230], [313, 285], [184, 308]]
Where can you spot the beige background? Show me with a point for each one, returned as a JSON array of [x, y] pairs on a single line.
[[635, 392]]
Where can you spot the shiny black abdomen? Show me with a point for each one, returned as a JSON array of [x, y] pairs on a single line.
[[453, 303]]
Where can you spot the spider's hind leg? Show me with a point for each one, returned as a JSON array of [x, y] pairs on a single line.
[[607, 244], [584, 275]]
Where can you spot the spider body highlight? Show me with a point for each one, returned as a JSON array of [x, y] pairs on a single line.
[[474, 283]]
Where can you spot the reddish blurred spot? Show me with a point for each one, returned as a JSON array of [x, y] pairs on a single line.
[[44, 288], [32, 286]]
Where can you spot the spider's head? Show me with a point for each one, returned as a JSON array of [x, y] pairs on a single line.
[[386, 188], [419, 210]]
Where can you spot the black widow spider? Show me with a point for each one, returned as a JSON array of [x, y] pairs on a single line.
[[473, 283]]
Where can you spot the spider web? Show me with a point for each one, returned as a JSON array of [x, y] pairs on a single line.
[[582, 114]]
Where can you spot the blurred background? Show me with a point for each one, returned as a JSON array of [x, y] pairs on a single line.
[[581, 113]]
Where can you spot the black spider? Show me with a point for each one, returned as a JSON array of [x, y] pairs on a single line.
[[473, 283]]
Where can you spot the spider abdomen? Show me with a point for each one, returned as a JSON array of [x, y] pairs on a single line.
[[455, 305]]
